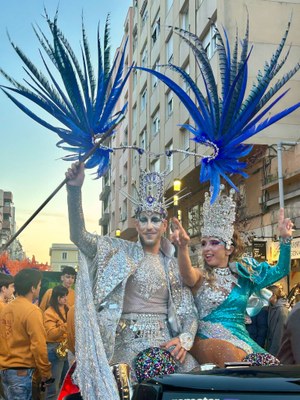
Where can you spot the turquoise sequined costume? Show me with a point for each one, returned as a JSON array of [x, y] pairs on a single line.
[[223, 318]]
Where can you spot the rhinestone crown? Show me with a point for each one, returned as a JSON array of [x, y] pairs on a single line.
[[219, 217], [151, 194]]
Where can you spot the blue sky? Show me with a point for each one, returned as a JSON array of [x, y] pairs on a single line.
[[30, 164]]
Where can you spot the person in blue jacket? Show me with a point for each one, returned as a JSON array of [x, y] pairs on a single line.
[[223, 286]]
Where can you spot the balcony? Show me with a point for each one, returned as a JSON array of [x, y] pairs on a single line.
[[104, 220], [105, 192], [271, 181], [6, 225], [7, 196], [7, 210]]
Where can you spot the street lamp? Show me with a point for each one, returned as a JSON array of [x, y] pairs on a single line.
[[177, 185], [118, 232], [176, 188], [179, 215]]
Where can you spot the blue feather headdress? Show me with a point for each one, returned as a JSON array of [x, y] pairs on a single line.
[[229, 120], [85, 106]]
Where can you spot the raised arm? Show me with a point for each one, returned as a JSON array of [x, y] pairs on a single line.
[[285, 226], [191, 276], [270, 274], [84, 240]]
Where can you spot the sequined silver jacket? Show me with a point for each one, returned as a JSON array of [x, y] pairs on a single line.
[[111, 261]]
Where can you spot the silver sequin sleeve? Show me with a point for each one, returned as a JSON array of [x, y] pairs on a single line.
[[85, 241]]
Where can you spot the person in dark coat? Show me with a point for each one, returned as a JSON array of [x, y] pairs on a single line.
[[277, 317], [258, 327], [289, 352]]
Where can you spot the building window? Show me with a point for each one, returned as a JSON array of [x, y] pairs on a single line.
[[185, 141], [134, 40], [124, 211], [134, 116], [170, 159], [210, 42], [144, 17], [134, 156], [125, 137], [195, 220], [134, 79], [184, 18], [170, 103], [143, 139], [155, 30], [198, 4], [113, 190], [144, 57], [125, 174], [154, 79], [143, 99], [186, 86], [169, 49], [155, 123], [155, 166], [64, 255], [169, 4]]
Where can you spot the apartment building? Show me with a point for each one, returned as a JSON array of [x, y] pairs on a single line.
[[63, 255], [154, 114]]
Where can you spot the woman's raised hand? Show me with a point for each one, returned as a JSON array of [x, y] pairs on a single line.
[[285, 225], [178, 237]]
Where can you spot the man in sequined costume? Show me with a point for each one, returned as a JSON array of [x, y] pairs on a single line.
[[129, 295]]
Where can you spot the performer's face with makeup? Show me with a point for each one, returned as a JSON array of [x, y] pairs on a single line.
[[150, 227], [214, 252]]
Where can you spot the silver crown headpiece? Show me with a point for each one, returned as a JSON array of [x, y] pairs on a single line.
[[219, 217], [151, 194]]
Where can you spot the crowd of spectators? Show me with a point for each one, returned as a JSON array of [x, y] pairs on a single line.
[[34, 339]]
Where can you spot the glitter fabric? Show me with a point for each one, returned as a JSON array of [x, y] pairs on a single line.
[[214, 295], [221, 314], [150, 275], [152, 362], [219, 217], [257, 359], [105, 266]]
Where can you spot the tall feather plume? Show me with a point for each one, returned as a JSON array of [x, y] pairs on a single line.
[[233, 118], [82, 101]]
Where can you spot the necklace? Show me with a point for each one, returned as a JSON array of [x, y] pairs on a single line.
[[224, 278], [150, 275]]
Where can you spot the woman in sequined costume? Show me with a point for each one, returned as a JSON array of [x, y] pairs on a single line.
[[222, 289], [130, 295]]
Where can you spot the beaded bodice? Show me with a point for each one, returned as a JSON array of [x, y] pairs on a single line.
[[146, 290], [150, 276], [212, 295]]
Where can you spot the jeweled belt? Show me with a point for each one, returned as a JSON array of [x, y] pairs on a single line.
[[146, 324]]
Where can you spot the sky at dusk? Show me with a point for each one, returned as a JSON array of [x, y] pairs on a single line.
[[30, 164]]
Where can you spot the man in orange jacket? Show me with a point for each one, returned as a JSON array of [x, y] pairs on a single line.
[[6, 289], [23, 339], [68, 276]]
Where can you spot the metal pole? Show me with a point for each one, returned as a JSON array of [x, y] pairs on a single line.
[[280, 175]]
